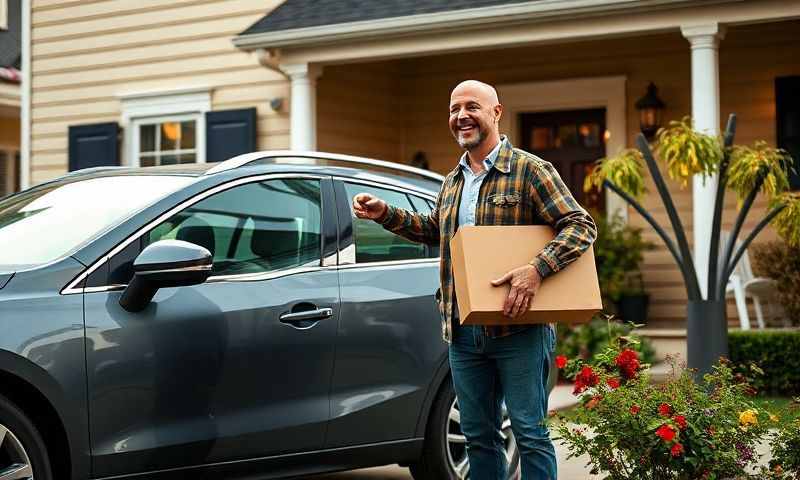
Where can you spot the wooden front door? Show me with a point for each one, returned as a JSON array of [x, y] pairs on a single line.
[[572, 140]]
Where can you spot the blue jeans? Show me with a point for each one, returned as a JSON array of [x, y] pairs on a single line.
[[485, 370]]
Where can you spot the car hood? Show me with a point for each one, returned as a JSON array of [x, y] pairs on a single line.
[[5, 277]]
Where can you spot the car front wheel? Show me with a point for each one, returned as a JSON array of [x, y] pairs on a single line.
[[445, 453], [22, 452]]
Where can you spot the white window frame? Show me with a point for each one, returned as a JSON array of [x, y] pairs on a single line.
[[136, 134], [163, 106], [3, 14]]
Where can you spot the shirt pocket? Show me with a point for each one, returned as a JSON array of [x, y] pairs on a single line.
[[504, 200]]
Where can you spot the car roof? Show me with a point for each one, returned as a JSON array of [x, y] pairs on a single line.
[[199, 171]]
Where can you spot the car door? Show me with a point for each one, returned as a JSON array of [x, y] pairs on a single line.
[[236, 368], [389, 343]]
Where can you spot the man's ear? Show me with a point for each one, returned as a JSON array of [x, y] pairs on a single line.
[[498, 112]]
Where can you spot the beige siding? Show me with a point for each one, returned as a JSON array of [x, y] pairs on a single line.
[[87, 53], [359, 111], [750, 59]]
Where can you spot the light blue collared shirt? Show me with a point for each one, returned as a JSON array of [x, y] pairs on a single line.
[[472, 185]]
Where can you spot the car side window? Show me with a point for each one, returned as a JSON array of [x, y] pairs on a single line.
[[257, 227], [373, 242]]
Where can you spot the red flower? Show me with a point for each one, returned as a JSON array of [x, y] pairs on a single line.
[[666, 433], [635, 409], [613, 382], [681, 421], [561, 361], [586, 378], [676, 450], [665, 410], [628, 363]]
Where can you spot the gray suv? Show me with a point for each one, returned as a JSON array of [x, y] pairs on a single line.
[[222, 321]]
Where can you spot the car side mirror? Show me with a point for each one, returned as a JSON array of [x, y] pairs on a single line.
[[166, 263]]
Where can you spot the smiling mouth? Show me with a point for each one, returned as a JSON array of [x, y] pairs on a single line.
[[466, 128]]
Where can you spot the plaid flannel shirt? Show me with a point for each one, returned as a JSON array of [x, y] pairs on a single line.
[[521, 189]]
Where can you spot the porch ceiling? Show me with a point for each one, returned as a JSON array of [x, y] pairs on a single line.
[[498, 26]]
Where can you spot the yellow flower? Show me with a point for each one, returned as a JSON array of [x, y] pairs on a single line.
[[774, 417], [748, 417]]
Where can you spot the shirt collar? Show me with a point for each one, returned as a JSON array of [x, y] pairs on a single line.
[[490, 159]]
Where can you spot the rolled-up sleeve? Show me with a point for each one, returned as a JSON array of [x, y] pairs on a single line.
[[575, 228]]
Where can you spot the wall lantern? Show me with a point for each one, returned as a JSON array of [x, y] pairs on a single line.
[[650, 108]]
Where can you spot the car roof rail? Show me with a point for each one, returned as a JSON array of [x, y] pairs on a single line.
[[348, 160]]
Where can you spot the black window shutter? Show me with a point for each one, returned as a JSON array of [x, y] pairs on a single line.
[[230, 133], [787, 113], [95, 145]]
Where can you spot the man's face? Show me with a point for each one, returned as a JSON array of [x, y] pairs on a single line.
[[473, 116]]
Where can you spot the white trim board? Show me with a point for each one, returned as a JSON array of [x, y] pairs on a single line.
[[571, 94]]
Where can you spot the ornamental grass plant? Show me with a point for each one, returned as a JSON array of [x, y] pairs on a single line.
[[682, 429]]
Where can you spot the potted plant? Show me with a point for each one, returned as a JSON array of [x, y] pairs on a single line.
[[619, 252], [633, 300], [746, 170]]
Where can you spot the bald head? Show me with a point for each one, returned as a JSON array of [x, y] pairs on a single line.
[[475, 116], [480, 90]]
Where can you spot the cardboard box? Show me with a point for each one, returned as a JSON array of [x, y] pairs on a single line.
[[481, 254]]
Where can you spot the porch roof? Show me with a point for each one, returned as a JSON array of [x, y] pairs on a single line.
[[330, 31], [293, 14]]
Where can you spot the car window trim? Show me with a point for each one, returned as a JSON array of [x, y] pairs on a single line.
[[347, 253], [72, 287]]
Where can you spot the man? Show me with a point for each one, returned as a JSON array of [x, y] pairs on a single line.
[[496, 184]]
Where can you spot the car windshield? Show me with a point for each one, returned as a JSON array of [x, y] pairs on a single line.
[[43, 224]]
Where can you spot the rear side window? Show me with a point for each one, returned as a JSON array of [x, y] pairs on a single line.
[[373, 242], [257, 227]]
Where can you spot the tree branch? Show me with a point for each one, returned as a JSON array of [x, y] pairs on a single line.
[[692, 286], [653, 223], [737, 227], [746, 243], [713, 256]]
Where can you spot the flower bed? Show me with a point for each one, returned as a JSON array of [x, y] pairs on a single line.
[[681, 429]]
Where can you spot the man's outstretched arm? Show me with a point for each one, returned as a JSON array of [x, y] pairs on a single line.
[[417, 227]]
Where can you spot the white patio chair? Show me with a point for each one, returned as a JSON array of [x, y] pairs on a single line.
[[742, 284]]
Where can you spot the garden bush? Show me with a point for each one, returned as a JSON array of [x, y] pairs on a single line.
[[586, 341], [775, 352]]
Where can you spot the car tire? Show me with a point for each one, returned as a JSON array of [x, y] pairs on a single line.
[[437, 461], [21, 448]]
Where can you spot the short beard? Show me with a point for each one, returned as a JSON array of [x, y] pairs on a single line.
[[469, 145]]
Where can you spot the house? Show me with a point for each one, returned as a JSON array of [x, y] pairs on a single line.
[[155, 82], [10, 56]]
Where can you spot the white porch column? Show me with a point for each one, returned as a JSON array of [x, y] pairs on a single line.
[[704, 40], [303, 105]]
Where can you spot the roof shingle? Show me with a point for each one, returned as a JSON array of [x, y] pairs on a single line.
[[313, 13]]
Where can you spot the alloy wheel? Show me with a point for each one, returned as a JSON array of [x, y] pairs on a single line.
[[14, 461], [457, 444]]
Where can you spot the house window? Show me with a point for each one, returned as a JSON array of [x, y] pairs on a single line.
[[787, 119], [165, 127], [167, 141]]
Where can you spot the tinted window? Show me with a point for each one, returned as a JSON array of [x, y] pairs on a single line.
[[258, 227], [47, 222], [373, 242]]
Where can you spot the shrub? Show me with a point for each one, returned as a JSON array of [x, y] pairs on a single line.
[[618, 251], [781, 262], [775, 352], [785, 446], [588, 340], [682, 429]]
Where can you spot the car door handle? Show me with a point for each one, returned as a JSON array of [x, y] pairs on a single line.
[[318, 314]]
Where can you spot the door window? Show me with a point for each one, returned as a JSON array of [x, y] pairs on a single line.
[[376, 244], [257, 227]]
